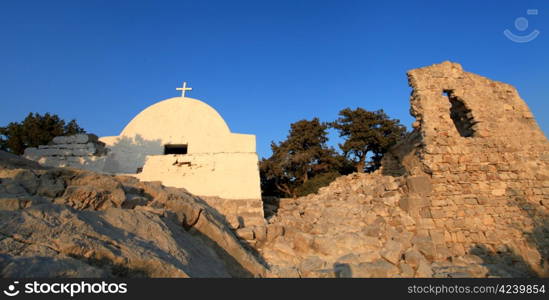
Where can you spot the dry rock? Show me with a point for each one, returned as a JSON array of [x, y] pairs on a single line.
[[376, 269], [392, 251]]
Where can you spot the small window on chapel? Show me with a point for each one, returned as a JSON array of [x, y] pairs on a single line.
[[175, 149]]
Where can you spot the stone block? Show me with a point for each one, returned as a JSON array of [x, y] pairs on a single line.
[[391, 198], [83, 152], [426, 246], [419, 185], [437, 236], [302, 242], [498, 192], [425, 223], [412, 257], [437, 212], [377, 269], [412, 203], [82, 138], [406, 271], [424, 270], [287, 272], [324, 245], [245, 233], [31, 153], [311, 263], [391, 185], [483, 200], [234, 221], [60, 140], [274, 231], [260, 233], [392, 251]]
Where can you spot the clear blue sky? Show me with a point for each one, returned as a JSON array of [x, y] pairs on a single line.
[[261, 64]]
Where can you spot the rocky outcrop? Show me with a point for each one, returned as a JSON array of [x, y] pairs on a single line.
[[73, 223]]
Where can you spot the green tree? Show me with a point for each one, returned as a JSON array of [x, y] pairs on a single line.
[[35, 130], [367, 133], [303, 155]]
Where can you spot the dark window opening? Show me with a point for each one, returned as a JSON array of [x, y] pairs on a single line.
[[175, 149], [461, 115]]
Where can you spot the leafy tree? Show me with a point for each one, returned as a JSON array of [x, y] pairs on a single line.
[[367, 132], [303, 155], [35, 130]]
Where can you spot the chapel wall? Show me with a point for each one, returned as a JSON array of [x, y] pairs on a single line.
[[227, 175], [242, 142], [229, 180]]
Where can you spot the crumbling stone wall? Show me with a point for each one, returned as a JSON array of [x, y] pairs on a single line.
[[83, 151], [483, 176]]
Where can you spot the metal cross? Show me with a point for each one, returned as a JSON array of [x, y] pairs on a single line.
[[183, 89]]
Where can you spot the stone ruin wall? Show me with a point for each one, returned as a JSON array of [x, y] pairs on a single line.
[[466, 194], [476, 166]]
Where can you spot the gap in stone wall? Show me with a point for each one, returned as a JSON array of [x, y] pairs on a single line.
[[460, 115]]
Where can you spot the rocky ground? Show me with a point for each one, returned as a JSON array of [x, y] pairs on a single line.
[[58, 222]]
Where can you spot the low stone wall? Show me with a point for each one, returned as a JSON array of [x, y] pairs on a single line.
[[83, 151], [239, 213]]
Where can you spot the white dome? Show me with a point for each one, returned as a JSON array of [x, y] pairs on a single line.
[[177, 120]]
